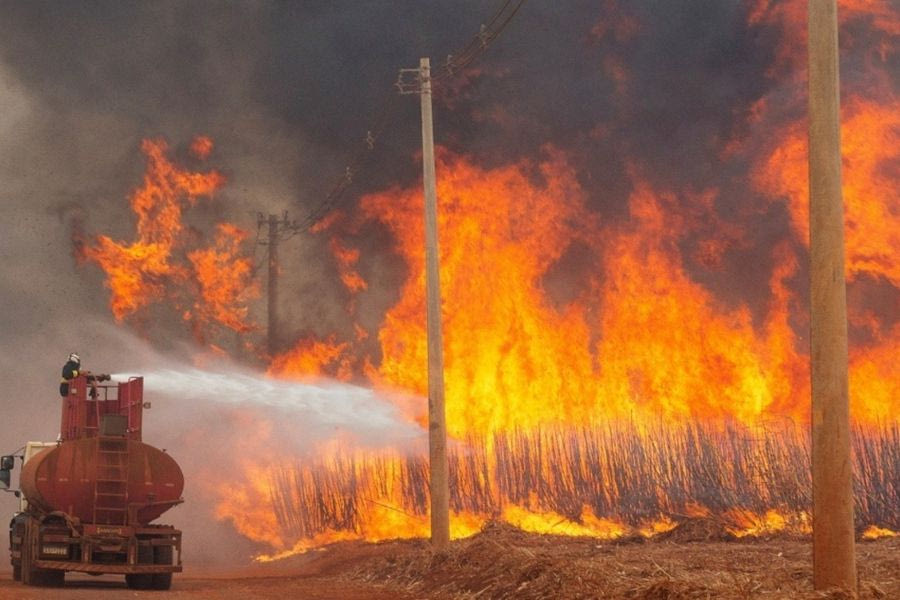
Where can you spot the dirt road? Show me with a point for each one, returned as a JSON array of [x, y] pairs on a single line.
[[693, 562], [313, 576], [192, 588]]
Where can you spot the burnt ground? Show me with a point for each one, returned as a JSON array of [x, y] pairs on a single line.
[[695, 561]]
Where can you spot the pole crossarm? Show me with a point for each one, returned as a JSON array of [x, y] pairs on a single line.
[[284, 228], [406, 87]]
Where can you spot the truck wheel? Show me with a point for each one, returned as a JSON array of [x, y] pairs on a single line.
[[28, 574], [162, 581], [16, 529], [26, 571], [162, 555], [141, 581], [51, 578]]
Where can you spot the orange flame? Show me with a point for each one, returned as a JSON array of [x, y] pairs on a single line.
[[312, 357], [201, 147], [870, 140], [516, 359], [223, 275], [873, 533], [639, 339], [154, 267], [347, 259]]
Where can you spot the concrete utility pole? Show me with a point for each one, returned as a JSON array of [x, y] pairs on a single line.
[[278, 229], [437, 424], [834, 561]]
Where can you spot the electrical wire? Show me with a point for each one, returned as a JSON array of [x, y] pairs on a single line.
[[454, 64]]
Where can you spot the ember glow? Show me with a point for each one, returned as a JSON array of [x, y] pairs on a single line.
[[621, 479]]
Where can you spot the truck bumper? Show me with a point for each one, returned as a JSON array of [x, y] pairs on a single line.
[[65, 565]]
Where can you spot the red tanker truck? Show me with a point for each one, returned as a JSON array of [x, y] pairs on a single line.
[[88, 501]]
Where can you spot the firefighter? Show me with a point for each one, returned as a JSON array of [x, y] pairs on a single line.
[[70, 371]]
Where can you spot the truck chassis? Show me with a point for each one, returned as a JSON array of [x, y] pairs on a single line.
[[44, 547]]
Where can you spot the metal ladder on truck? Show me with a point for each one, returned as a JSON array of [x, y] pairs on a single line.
[[111, 481]]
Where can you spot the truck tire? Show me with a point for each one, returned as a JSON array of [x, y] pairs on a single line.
[[162, 555], [26, 570], [30, 575], [162, 581], [51, 578], [141, 581], [15, 531]]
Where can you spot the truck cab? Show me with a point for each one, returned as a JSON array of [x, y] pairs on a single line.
[[17, 524]]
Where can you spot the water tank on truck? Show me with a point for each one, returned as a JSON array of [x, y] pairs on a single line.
[[89, 500]]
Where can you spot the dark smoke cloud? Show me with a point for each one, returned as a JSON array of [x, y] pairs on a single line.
[[286, 89]]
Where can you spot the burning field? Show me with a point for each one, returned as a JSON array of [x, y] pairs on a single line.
[[625, 311], [638, 402], [603, 377]]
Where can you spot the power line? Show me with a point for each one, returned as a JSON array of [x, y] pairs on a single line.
[[479, 43], [362, 150], [454, 64]]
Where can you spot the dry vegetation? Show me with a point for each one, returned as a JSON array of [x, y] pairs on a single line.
[[620, 472], [505, 563]]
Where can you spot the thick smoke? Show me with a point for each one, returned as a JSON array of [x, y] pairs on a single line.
[[286, 90]]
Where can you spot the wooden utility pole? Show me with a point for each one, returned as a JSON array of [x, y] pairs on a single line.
[[279, 228], [437, 424], [834, 561], [272, 329]]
